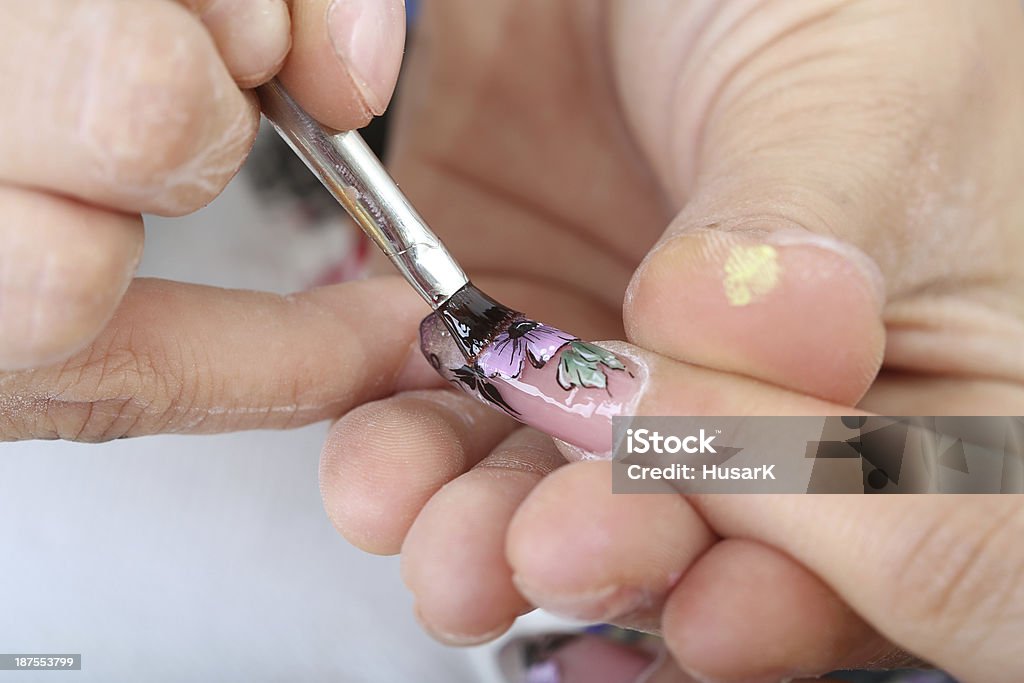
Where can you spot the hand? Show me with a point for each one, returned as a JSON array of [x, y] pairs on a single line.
[[117, 108], [527, 203], [831, 190]]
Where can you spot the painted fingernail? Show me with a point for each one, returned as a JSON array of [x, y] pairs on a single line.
[[546, 378], [594, 654], [368, 36]]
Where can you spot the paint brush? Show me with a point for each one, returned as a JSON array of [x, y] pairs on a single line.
[[351, 172], [533, 372]]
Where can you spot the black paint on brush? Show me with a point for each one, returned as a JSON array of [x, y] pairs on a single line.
[[475, 319]]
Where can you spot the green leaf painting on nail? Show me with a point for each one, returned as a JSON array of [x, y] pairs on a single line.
[[580, 366]]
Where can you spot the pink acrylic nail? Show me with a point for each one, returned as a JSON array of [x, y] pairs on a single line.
[[543, 377]]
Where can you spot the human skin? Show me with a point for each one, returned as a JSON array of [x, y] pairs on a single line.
[[875, 147], [120, 108], [784, 208]]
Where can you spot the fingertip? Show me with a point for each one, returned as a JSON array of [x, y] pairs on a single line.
[[580, 551], [368, 36], [459, 638], [445, 541], [384, 460], [738, 587], [373, 478], [345, 58], [253, 37], [65, 267], [790, 312]]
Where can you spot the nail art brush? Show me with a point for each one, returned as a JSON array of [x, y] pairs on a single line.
[[533, 372], [351, 172]]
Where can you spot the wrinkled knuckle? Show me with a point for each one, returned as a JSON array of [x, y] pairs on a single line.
[[963, 577], [116, 388], [159, 105]]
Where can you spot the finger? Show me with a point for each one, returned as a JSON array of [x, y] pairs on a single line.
[[940, 575], [576, 392], [186, 358], [345, 57], [252, 36], [739, 586], [802, 316], [582, 552], [762, 146], [383, 461], [64, 266], [148, 120], [445, 541]]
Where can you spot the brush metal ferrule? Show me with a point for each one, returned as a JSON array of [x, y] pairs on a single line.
[[357, 179]]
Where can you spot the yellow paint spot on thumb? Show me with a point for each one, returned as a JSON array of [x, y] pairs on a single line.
[[751, 271]]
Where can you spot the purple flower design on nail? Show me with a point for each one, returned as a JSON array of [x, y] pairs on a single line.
[[524, 339]]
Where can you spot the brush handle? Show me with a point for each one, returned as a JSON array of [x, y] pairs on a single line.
[[354, 175]]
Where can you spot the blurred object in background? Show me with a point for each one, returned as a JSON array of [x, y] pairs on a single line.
[[894, 677]]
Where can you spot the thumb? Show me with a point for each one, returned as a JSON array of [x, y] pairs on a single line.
[[797, 151], [786, 307]]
